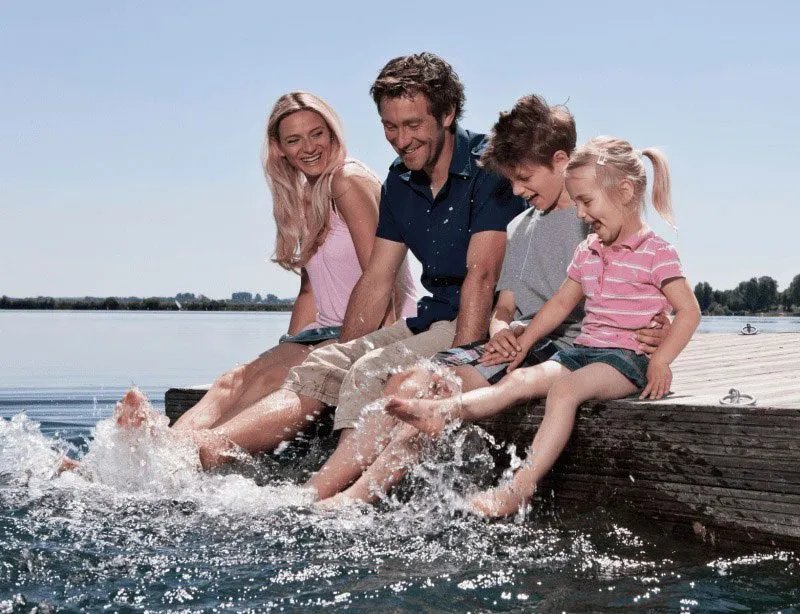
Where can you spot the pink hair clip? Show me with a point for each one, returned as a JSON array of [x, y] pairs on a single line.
[[601, 159]]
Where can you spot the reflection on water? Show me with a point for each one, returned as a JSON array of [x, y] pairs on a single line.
[[140, 528]]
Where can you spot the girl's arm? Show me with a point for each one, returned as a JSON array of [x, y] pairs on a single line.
[[304, 312], [687, 317], [548, 318]]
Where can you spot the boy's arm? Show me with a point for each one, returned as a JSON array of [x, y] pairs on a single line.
[[502, 338], [552, 313]]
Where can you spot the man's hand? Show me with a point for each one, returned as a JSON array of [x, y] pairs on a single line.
[[650, 338]]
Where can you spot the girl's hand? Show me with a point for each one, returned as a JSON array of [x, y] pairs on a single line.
[[504, 342], [525, 347], [659, 379]]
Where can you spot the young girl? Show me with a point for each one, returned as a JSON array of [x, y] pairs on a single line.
[[627, 274]]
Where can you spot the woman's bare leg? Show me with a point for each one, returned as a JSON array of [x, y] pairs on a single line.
[[243, 386], [595, 381], [261, 427], [518, 386]]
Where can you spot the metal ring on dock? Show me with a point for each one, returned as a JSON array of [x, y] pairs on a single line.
[[734, 397]]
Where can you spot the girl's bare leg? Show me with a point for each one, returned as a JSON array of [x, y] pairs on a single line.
[[243, 386], [518, 386], [595, 381], [404, 449]]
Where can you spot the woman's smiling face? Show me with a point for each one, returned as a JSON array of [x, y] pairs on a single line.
[[305, 139]]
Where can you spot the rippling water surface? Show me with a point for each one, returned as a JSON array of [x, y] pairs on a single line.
[[138, 528]]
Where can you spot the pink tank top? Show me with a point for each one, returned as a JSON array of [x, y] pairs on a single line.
[[333, 271]]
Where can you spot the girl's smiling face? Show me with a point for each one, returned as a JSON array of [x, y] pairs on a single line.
[[611, 220]]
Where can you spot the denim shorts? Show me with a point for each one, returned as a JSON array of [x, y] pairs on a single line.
[[629, 363]]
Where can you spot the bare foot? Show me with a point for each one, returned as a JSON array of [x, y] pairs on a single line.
[[67, 464], [214, 449], [428, 416], [498, 502], [336, 502], [133, 411]]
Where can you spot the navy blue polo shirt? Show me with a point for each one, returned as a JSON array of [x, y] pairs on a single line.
[[438, 230]]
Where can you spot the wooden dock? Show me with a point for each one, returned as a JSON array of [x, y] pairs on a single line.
[[726, 472]]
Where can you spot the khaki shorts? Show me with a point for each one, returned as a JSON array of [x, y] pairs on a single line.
[[351, 375]]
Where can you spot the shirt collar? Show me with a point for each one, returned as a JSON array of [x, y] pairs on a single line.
[[461, 164], [632, 243]]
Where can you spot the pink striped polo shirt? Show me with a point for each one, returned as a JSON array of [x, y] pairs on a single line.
[[622, 284]]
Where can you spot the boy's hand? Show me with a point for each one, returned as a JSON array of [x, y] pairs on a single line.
[[505, 343], [659, 379], [490, 359]]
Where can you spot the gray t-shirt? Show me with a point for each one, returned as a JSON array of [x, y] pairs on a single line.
[[539, 249]]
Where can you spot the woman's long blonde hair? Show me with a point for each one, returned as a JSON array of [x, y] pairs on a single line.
[[301, 214]]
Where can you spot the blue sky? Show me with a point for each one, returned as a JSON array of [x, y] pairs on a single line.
[[130, 131]]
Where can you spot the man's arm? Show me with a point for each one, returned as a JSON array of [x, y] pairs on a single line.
[[371, 295], [484, 259]]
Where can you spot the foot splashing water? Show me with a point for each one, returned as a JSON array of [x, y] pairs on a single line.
[[137, 526]]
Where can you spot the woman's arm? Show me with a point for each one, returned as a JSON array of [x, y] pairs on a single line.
[[304, 312], [357, 196]]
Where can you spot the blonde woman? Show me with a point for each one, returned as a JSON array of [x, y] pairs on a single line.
[[326, 211]]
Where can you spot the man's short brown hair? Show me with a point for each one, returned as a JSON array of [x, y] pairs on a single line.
[[422, 73], [530, 132]]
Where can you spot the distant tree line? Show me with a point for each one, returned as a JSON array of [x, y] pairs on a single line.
[[184, 301], [757, 295]]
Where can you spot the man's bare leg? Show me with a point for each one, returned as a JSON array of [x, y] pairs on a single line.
[[259, 428], [430, 416], [595, 381], [242, 387]]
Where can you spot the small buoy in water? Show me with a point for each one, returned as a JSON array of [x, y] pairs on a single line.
[[749, 329]]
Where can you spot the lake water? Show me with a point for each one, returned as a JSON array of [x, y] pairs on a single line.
[[245, 539]]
